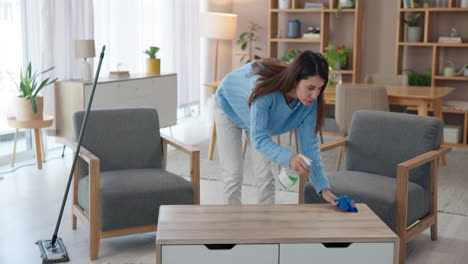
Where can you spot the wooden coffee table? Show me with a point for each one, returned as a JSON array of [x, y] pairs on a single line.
[[284, 234]]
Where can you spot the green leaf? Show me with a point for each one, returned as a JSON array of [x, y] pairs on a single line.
[[244, 46], [257, 57], [152, 51], [28, 71], [51, 68], [33, 103]]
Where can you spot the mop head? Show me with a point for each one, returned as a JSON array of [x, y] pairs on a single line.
[[56, 254]]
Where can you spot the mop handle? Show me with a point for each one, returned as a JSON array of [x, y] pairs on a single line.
[[77, 152]]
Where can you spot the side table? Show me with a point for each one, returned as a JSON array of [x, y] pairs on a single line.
[[36, 125]]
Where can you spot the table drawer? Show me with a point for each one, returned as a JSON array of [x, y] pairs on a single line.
[[222, 253], [330, 253]]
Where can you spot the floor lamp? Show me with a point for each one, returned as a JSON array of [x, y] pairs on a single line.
[[218, 26]]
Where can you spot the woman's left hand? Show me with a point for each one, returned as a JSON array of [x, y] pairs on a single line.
[[329, 197]]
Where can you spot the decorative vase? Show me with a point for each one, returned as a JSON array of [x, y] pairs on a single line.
[[294, 28], [24, 111], [346, 3], [344, 66], [153, 66], [414, 34], [284, 4], [334, 75], [464, 4]]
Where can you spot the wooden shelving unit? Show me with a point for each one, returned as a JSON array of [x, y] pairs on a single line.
[[326, 15], [428, 41]]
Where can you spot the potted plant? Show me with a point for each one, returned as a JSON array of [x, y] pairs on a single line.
[[413, 27], [341, 5], [289, 56], [153, 65], [247, 43], [419, 79], [29, 106], [337, 57]]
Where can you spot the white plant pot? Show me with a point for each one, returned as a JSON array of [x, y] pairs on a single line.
[[465, 72], [284, 4], [414, 34], [464, 3], [346, 4], [24, 111]]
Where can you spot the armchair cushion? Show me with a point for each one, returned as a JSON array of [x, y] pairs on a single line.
[[132, 197], [379, 141], [126, 138], [377, 191]]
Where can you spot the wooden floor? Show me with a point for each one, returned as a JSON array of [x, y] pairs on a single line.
[[30, 201]]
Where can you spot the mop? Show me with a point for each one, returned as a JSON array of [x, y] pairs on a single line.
[[54, 251]]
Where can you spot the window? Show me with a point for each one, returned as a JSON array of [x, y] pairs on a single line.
[[11, 62]]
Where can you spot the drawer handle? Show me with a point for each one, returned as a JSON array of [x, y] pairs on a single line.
[[220, 246], [336, 245]]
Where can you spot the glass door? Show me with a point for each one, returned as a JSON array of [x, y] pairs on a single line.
[[11, 63]]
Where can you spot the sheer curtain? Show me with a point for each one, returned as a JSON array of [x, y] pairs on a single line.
[[51, 28], [128, 27]]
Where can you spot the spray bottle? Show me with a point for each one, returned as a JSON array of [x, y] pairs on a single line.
[[288, 177]]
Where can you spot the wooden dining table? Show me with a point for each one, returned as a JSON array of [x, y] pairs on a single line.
[[419, 96]]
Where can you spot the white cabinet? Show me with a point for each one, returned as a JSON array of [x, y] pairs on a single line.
[[156, 91], [223, 253]]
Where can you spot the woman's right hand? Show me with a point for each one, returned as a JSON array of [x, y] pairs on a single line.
[[298, 164]]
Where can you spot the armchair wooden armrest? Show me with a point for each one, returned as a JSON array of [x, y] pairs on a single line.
[[93, 216], [338, 143], [425, 157], [402, 194], [194, 161], [84, 153]]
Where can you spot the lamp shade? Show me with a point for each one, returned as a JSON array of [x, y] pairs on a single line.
[[84, 48], [218, 25]]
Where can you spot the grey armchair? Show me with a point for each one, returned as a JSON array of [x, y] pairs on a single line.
[[120, 180], [391, 163]]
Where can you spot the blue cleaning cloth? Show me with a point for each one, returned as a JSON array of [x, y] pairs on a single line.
[[344, 203]]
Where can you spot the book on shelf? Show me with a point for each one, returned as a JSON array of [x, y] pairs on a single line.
[[119, 74], [313, 36], [450, 40], [314, 5]]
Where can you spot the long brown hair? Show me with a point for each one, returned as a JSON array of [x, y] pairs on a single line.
[[276, 75]]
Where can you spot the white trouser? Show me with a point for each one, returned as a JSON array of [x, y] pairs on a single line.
[[229, 137]]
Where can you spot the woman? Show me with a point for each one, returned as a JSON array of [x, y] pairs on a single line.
[[268, 98]]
